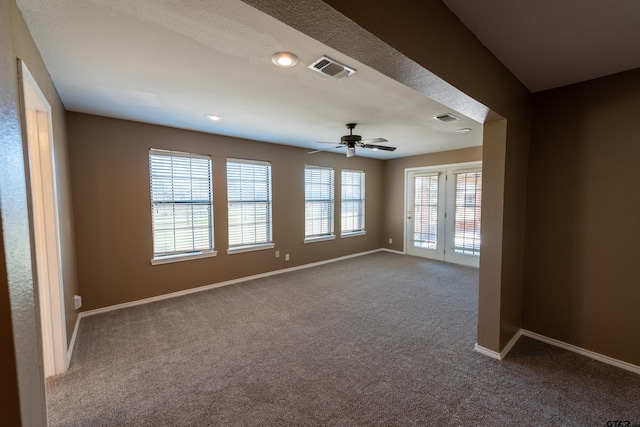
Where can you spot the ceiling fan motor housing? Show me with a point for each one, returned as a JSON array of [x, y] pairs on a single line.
[[350, 139]]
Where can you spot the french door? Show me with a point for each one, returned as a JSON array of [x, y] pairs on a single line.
[[443, 212]]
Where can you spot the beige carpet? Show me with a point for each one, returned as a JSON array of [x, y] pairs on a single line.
[[378, 340]]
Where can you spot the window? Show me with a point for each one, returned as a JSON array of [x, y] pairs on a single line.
[[318, 196], [468, 192], [425, 211], [249, 197], [181, 205], [352, 205]]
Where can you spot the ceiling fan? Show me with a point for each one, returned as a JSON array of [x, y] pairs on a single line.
[[352, 141]]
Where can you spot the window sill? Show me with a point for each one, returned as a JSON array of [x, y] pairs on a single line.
[[320, 238], [250, 248], [353, 234], [183, 257]]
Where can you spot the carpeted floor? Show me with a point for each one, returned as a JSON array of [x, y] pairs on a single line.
[[377, 340]]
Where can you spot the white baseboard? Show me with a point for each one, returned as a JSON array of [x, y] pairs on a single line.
[[217, 285], [492, 354], [591, 354], [393, 251], [73, 342], [507, 348], [570, 347]]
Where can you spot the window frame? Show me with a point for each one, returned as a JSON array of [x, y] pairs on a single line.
[[330, 235], [256, 246], [196, 252], [361, 200]]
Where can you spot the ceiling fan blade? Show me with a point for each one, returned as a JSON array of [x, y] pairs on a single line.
[[325, 149], [332, 143], [379, 147], [373, 140]]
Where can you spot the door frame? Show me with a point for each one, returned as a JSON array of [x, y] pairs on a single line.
[[447, 206], [48, 272]]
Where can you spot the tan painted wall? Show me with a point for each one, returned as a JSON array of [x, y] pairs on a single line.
[[428, 33], [27, 51], [9, 396], [582, 281], [16, 42], [110, 170]]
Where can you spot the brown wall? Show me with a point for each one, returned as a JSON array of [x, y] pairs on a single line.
[[27, 51], [16, 42], [583, 226], [110, 170]]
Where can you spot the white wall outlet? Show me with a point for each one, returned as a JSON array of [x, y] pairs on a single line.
[[286, 257], [77, 302], [277, 254], [390, 240]]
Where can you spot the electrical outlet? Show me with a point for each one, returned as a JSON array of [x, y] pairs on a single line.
[[286, 257], [390, 240], [277, 254], [77, 302]]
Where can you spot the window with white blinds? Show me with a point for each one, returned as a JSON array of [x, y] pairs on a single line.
[[352, 203], [468, 202], [425, 216], [318, 191], [249, 197], [181, 203]]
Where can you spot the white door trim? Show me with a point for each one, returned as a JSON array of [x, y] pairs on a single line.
[[46, 228]]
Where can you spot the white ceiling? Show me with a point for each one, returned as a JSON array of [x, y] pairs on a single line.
[[172, 62], [552, 43]]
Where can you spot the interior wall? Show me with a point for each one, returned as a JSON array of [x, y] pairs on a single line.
[[16, 42], [27, 51], [431, 35], [581, 281], [9, 396], [110, 170]]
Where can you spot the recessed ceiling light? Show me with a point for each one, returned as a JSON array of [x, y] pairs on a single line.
[[213, 117], [284, 59], [464, 130]]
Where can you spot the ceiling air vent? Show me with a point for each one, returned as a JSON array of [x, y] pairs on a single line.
[[447, 118], [331, 68]]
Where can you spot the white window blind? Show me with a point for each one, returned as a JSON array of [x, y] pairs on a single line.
[[352, 203], [249, 197], [425, 216], [318, 190], [468, 195], [181, 203]]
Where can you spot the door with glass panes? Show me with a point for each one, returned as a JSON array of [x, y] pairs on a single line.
[[443, 212]]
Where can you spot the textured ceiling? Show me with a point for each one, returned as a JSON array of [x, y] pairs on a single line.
[[552, 43], [173, 62]]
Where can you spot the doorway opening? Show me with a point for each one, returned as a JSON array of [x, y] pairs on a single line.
[[443, 212], [46, 234]]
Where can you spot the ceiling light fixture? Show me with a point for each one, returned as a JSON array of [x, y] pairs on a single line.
[[464, 130], [213, 117], [284, 59]]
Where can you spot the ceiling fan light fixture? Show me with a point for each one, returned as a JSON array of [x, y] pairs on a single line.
[[284, 59], [351, 151]]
